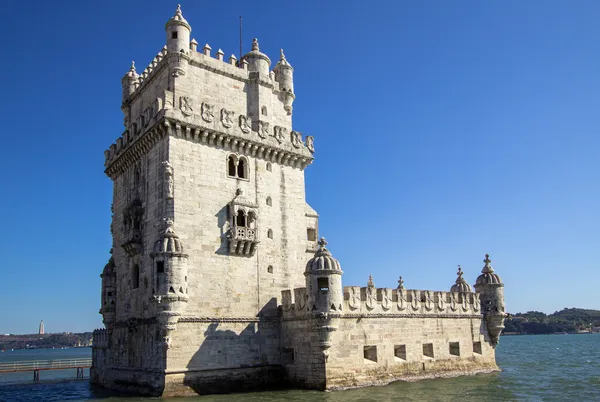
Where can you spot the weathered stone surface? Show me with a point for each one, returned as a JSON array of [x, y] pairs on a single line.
[[216, 282]]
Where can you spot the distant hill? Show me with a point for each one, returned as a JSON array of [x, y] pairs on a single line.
[[35, 341], [570, 320]]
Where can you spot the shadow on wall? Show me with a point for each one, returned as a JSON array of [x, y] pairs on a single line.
[[223, 224], [237, 356]]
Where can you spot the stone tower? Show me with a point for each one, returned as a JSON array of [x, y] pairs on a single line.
[[491, 292], [209, 221]]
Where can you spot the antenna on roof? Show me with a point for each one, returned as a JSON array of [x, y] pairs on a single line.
[[240, 59]]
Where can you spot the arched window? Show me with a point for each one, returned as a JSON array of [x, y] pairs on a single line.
[[231, 168], [241, 168], [136, 176], [269, 201], [270, 269], [240, 220], [270, 234], [251, 221], [269, 166], [135, 277], [263, 110]]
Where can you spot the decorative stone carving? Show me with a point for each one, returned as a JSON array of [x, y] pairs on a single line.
[[415, 304], [296, 139], [454, 301], [263, 129], [169, 182], [227, 118], [300, 297], [386, 298], [279, 133], [440, 302], [167, 342], [476, 302], [207, 112], [371, 294], [401, 295], [428, 300], [185, 105], [465, 302], [158, 105], [310, 143], [354, 297], [245, 124]]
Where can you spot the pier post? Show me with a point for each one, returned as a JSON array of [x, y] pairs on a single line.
[[36, 375]]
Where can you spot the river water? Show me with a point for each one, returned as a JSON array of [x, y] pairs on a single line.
[[534, 368]]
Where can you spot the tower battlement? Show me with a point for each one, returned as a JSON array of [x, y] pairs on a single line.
[[384, 302]]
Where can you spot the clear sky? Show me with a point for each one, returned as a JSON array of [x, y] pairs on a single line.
[[443, 130]]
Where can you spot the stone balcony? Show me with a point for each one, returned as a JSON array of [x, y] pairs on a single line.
[[243, 241]]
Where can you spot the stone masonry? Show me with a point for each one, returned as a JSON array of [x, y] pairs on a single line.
[[208, 288]]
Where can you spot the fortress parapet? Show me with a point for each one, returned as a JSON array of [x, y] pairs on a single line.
[[363, 301], [99, 338]]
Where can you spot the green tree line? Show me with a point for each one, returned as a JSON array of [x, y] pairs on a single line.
[[567, 320]]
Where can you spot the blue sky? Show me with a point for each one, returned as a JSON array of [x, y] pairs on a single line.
[[444, 130]]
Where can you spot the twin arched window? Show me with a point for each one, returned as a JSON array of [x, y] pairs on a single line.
[[237, 167], [245, 221]]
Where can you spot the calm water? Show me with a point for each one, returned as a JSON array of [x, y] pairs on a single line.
[[535, 368]]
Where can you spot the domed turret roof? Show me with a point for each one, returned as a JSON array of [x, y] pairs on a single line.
[[322, 261], [178, 18], [256, 53], [109, 268], [488, 276], [461, 285], [168, 241], [131, 74], [282, 63]]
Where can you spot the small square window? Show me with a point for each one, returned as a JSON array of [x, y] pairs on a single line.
[[454, 349], [400, 352], [174, 35], [311, 234], [270, 269], [370, 353], [428, 350], [323, 284], [477, 348], [160, 267], [287, 356]]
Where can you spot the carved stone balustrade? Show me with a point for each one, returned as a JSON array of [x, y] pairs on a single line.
[[243, 241]]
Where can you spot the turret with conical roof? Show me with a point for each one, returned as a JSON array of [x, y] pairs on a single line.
[[129, 81], [324, 281], [284, 75], [257, 60], [490, 288], [178, 32]]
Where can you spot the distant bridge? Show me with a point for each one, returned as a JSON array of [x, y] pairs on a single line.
[[44, 365]]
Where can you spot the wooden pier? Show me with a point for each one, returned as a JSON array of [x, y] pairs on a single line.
[[36, 366]]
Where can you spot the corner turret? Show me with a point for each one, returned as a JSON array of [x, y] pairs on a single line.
[[129, 81], [257, 61], [490, 288], [108, 308], [169, 279], [324, 281], [178, 32], [284, 75]]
